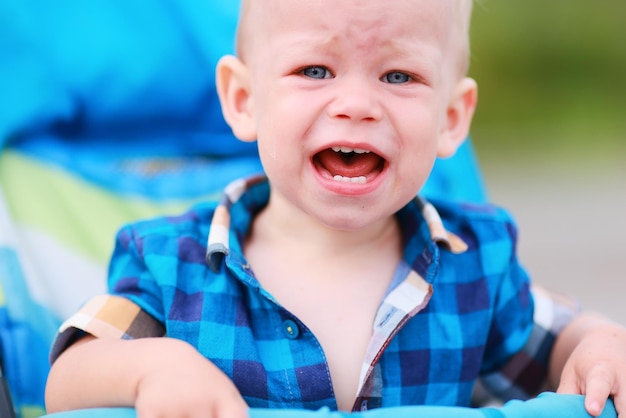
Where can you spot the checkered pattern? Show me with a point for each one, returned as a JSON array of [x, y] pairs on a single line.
[[459, 308]]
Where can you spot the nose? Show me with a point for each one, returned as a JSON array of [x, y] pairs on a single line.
[[355, 99]]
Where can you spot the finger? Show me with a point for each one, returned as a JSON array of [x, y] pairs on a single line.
[[594, 406], [232, 407], [598, 387], [569, 384], [232, 411]]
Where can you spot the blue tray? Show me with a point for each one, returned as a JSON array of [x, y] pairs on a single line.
[[546, 405]]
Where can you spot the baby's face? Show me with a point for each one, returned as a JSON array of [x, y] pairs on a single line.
[[350, 98]]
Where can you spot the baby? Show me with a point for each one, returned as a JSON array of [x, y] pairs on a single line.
[[329, 283]]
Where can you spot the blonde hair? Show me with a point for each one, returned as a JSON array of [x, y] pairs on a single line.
[[461, 10]]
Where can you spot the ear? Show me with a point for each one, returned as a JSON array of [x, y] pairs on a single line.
[[458, 117], [233, 88]]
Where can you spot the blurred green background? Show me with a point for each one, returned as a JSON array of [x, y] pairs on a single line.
[[552, 78], [550, 134]]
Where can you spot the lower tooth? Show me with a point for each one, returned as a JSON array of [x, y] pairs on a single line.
[[360, 179]]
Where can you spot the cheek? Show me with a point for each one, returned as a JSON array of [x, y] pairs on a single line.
[[420, 133], [417, 156], [275, 115], [278, 147], [284, 127], [414, 175]]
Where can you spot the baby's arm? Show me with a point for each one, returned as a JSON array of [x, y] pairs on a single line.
[[589, 357], [158, 376]]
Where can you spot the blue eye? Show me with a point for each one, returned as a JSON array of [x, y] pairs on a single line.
[[396, 77], [317, 72]]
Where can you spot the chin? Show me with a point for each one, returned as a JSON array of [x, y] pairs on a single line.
[[349, 221]]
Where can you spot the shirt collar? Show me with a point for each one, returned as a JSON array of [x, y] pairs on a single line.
[[438, 233], [218, 242]]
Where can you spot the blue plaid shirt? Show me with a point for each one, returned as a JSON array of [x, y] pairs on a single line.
[[459, 308]]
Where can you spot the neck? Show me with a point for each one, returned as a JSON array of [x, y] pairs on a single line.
[[282, 223]]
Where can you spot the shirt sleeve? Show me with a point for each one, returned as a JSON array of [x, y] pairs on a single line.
[[106, 316], [133, 308], [525, 374]]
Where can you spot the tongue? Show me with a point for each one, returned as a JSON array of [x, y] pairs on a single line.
[[348, 164]]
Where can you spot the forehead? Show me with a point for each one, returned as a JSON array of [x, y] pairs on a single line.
[[360, 20]]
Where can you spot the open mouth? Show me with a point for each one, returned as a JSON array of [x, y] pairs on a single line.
[[350, 165]]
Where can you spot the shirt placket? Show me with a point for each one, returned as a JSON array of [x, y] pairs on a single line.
[[306, 380], [399, 306]]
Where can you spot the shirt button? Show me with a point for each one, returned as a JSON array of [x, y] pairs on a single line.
[[364, 405], [291, 329]]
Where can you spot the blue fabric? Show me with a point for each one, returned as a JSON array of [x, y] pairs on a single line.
[[139, 73], [547, 405], [480, 315], [457, 178], [160, 179], [26, 330]]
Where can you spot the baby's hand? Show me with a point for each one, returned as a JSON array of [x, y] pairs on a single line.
[[194, 387], [597, 368]]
